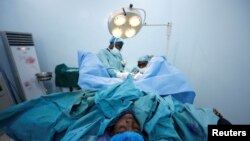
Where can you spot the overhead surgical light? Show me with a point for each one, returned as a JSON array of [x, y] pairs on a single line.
[[126, 22]]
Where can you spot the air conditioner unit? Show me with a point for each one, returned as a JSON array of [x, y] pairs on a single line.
[[20, 64]]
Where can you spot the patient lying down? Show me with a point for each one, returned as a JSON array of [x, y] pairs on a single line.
[[127, 128], [113, 113]]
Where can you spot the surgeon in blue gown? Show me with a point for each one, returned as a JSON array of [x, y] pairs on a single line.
[[112, 59], [159, 77], [139, 70]]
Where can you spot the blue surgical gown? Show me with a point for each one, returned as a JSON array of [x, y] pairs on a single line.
[[111, 61], [160, 77]]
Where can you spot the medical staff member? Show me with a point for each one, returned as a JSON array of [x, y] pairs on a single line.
[[112, 59], [141, 66]]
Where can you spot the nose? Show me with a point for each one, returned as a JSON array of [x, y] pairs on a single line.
[[129, 124]]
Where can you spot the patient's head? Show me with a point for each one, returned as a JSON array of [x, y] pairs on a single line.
[[126, 127], [126, 122]]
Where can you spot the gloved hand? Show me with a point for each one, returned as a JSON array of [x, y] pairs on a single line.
[[137, 76], [122, 75], [123, 62]]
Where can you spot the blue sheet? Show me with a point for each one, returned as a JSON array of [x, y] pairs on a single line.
[[84, 115], [92, 74], [160, 77]]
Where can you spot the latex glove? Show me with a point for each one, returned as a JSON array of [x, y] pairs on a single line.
[[122, 75], [137, 76]]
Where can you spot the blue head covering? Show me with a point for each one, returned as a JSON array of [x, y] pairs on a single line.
[[144, 58], [127, 136], [115, 40]]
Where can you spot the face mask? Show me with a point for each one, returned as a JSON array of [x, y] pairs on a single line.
[[142, 70], [115, 51]]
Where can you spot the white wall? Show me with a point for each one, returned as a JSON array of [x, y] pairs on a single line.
[[61, 27], [209, 43]]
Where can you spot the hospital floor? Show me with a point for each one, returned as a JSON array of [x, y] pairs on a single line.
[[4, 137]]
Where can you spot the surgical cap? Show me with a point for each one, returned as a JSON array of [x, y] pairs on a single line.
[[115, 40], [127, 136], [144, 58]]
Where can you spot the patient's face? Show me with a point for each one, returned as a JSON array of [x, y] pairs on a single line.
[[126, 122]]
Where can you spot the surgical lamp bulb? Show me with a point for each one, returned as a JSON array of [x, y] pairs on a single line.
[[130, 32], [117, 32], [119, 20], [134, 21]]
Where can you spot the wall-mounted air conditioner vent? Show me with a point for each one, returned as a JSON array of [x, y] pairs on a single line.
[[19, 39]]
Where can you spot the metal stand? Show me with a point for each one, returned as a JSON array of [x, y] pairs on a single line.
[[42, 77]]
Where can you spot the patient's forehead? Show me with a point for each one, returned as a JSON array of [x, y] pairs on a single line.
[[128, 115]]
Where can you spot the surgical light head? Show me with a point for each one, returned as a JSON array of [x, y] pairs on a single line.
[[126, 22]]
